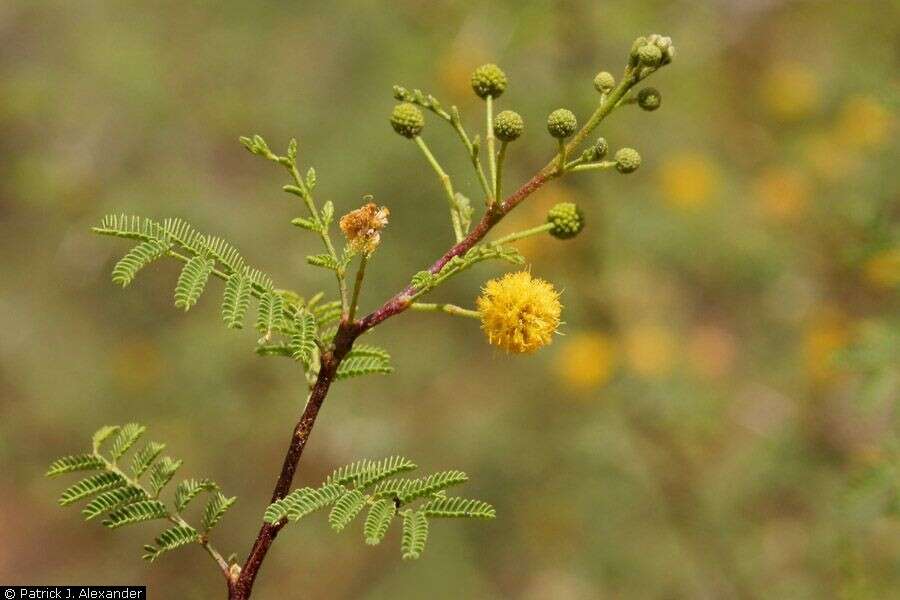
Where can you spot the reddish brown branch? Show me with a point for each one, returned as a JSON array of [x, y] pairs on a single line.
[[241, 585]]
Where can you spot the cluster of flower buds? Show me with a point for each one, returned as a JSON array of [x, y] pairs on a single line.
[[561, 123], [652, 51], [566, 219], [508, 126]]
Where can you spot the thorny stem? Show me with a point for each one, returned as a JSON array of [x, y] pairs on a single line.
[[605, 164], [450, 309], [241, 580], [489, 135], [446, 183]]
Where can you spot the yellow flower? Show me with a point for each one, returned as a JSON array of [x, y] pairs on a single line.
[[790, 91], [688, 180], [519, 312], [828, 333], [586, 360]]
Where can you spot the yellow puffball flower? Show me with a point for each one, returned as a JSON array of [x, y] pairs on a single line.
[[519, 312], [586, 360]]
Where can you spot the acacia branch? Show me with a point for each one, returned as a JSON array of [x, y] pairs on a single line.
[[241, 584]]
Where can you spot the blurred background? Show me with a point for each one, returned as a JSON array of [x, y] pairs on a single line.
[[717, 420]]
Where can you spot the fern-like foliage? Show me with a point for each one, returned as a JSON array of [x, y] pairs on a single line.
[[370, 484], [289, 326], [127, 499]]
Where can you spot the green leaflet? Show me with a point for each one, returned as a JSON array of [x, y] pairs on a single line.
[[236, 300], [125, 500], [215, 509], [363, 365], [144, 510], [303, 340], [192, 281], [170, 539], [189, 489], [161, 474], [137, 258], [378, 520], [458, 508], [345, 509], [349, 489], [79, 462], [144, 457], [415, 534], [125, 439], [108, 501], [90, 486], [270, 314]]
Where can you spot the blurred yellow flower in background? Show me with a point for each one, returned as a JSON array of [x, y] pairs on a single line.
[[454, 71], [883, 269], [790, 91], [864, 123], [586, 360], [782, 193], [688, 181], [649, 350], [827, 333], [821, 151]]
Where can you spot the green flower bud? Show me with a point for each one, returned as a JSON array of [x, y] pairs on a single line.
[[488, 80], [649, 98], [637, 45], [567, 220], [562, 123], [508, 126], [604, 82], [407, 120], [599, 149], [650, 55], [627, 160]]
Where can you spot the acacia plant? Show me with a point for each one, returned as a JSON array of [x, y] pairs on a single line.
[[518, 312]]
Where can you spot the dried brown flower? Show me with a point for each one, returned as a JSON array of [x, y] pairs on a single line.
[[362, 227]]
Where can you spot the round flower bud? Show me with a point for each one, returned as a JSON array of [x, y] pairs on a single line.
[[637, 45], [650, 55], [562, 123], [599, 149], [649, 98], [488, 80], [627, 160], [567, 220], [407, 120], [508, 126], [604, 82]]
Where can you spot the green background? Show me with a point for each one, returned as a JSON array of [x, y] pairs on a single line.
[[717, 419]]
